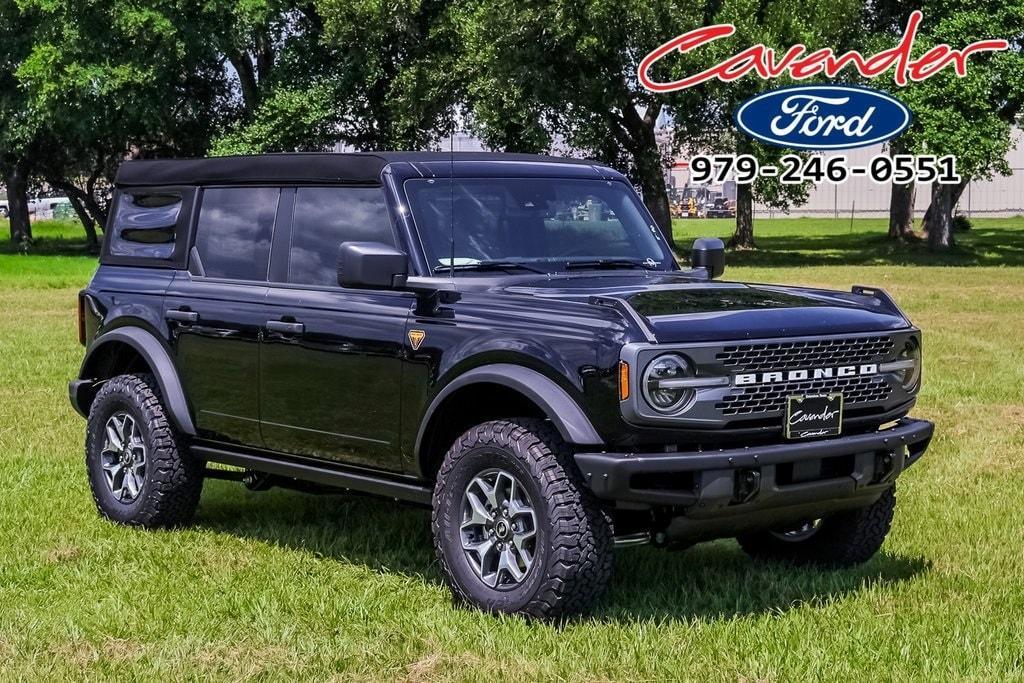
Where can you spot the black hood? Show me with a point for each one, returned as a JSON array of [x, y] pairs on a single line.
[[680, 310]]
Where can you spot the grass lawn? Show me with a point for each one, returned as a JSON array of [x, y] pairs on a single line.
[[284, 585]]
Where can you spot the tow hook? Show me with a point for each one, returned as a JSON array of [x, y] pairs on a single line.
[[747, 485], [883, 467]]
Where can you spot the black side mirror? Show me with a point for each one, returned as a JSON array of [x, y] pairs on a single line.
[[371, 265], [709, 253]]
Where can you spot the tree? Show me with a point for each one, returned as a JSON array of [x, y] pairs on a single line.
[[115, 80], [884, 22], [566, 70], [819, 23], [16, 28], [373, 75], [970, 117]]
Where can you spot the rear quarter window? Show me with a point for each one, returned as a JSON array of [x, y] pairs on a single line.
[[149, 226]]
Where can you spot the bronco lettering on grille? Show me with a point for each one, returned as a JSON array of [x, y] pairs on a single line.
[[779, 377]]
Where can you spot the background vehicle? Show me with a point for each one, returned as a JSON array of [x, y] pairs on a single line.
[[512, 344], [47, 205]]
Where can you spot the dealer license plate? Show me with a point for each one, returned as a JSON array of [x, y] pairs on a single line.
[[814, 415]]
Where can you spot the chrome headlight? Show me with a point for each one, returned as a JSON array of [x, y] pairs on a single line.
[[664, 384], [910, 358]]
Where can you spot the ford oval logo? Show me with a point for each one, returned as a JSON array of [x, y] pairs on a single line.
[[822, 117]]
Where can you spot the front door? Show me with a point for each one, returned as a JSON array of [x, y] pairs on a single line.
[[331, 358]]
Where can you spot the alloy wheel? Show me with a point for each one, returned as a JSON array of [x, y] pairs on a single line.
[[499, 529], [123, 458]]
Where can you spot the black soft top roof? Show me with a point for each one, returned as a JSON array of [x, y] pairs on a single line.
[[296, 168]]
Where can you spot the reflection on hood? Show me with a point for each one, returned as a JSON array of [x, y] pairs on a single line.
[[682, 302]]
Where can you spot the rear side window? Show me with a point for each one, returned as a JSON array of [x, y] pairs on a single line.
[[145, 224], [234, 231], [323, 218]]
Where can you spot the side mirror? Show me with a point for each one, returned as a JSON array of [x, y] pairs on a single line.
[[709, 253], [371, 265]]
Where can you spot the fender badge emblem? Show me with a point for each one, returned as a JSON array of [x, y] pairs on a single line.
[[416, 338]]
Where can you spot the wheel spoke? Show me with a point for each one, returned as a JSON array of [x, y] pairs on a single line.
[[114, 442], [111, 472], [478, 515], [487, 489], [131, 484], [504, 488], [509, 563], [519, 539]]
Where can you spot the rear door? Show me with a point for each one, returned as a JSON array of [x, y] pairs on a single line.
[[216, 310], [331, 357]]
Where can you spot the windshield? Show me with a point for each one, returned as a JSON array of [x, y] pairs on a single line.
[[542, 224]]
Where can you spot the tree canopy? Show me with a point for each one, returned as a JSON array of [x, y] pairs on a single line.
[[86, 84]]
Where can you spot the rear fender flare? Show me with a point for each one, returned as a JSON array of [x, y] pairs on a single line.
[[158, 360]]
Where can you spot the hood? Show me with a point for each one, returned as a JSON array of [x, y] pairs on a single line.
[[681, 311]]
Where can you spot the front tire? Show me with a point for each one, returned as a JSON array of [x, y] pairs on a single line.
[[516, 529], [138, 471], [844, 539]]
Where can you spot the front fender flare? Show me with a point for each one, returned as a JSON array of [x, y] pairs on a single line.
[[553, 400], [159, 361]]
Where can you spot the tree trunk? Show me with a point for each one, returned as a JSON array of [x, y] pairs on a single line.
[[639, 140], [743, 238], [652, 184], [16, 181], [901, 212], [242, 63], [91, 239], [940, 229], [85, 205], [939, 216]]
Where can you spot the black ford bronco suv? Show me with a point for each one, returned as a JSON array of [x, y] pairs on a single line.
[[505, 338]]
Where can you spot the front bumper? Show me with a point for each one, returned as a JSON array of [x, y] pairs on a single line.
[[823, 475], [81, 393]]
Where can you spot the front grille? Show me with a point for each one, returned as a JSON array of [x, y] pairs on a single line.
[[793, 355], [768, 398]]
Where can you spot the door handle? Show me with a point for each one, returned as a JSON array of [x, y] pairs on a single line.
[[285, 327], [182, 316]]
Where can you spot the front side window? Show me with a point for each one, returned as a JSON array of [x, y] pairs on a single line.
[[234, 231], [145, 224], [549, 224], [323, 218]]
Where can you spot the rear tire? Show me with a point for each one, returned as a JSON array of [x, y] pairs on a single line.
[[139, 472], [844, 539], [547, 550]]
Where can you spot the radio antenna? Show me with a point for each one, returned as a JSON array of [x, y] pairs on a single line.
[[451, 193]]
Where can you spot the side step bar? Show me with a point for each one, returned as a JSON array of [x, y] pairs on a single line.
[[321, 473]]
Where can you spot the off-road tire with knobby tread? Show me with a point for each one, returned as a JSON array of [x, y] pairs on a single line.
[[844, 539], [574, 549], [173, 481]]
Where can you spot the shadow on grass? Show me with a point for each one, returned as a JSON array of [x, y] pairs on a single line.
[[712, 580], [51, 237], [979, 247]]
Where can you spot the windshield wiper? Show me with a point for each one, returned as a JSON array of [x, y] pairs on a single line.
[[597, 264], [490, 265]]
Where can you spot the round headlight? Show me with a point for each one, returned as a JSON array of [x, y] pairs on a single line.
[[657, 383], [911, 376]]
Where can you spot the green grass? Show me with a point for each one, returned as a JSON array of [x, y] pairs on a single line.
[[283, 585]]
